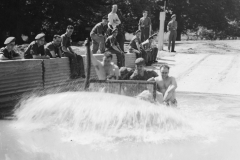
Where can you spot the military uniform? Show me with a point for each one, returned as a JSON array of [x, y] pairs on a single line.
[[5, 54], [112, 40], [9, 55], [172, 28], [34, 48], [98, 41], [51, 47], [147, 74], [151, 50], [133, 47], [76, 61], [145, 24], [125, 73]]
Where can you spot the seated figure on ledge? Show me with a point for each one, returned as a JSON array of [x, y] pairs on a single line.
[[7, 53], [113, 47], [35, 49], [53, 49]]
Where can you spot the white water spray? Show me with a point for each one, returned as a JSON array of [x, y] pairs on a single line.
[[89, 117]]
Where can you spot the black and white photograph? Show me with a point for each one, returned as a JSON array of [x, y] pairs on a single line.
[[119, 79]]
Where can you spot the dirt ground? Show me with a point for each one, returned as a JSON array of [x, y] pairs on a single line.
[[210, 67]]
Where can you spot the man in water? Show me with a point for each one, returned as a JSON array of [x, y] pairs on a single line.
[[98, 36], [140, 72], [166, 89], [52, 49], [167, 86], [145, 26], [172, 28], [106, 70], [7, 53], [113, 47], [35, 49]]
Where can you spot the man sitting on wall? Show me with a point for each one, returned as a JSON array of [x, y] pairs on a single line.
[[151, 49], [140, 72], [106, 70], [7, 53], [76, 61], [136, 47], [52, 49], [113, 47], [35, 49]]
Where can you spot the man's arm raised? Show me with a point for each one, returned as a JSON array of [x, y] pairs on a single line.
[[95, 62]]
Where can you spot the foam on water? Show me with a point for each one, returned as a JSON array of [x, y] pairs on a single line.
[[88, 118]]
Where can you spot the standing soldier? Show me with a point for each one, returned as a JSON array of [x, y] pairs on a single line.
[[113, 20], [98, 36], [172, 28], [145, 25]]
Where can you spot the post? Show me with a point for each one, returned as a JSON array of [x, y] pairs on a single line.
[[161, 31], [88, 65]]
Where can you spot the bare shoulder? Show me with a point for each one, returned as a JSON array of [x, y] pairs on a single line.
[[158, 78], [172, 78]]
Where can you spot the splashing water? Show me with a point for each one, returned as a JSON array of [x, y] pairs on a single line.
[[89, 117]]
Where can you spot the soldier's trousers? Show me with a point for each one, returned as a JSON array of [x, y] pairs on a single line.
[[171, 40], [120, 57], [76, 64], [144, 33], [142, 53], [98, 42]]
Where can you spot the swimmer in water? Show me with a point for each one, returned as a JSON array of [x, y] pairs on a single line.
[[106, 70], [167, 86]]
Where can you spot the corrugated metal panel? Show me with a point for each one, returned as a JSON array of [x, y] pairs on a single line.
[[130, 60], [56, 71], [17, 77]]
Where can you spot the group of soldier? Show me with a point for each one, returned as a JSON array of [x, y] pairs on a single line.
[[103, 37], [59, 47]]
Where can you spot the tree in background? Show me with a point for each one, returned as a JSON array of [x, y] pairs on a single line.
[[214, 15], [30, 17]]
